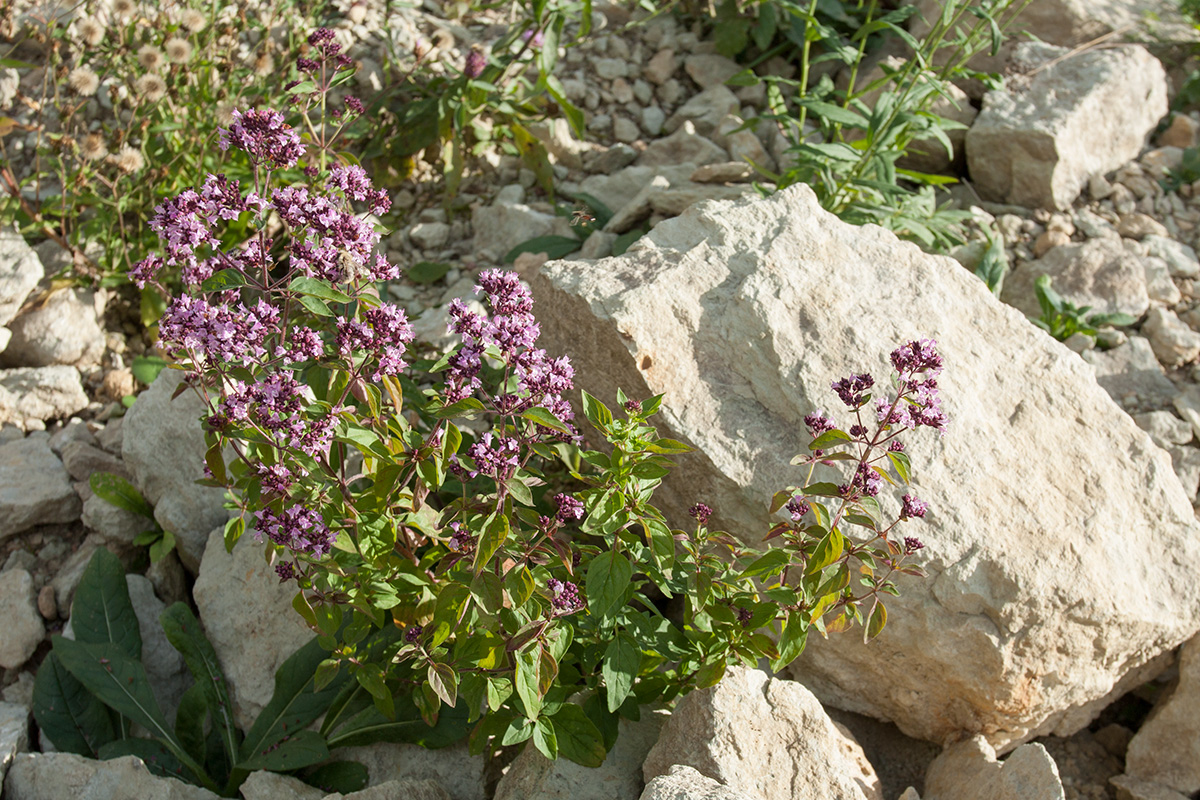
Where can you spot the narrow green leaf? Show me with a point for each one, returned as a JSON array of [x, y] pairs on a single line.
[[185, 635], [299, 749], [101, 611], [71, 717], [117, 491], [620, 666], [313, 287]]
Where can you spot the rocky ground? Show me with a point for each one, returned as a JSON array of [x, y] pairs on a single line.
[[1050, 654]]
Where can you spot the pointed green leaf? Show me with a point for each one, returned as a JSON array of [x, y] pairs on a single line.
[[157, 758], [101, 611], [619, 668], [608, 576], [71, 717], [185, 635], [189, 720], [444, 681], [297, 750]]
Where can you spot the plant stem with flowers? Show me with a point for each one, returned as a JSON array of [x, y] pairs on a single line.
[[442, 567]]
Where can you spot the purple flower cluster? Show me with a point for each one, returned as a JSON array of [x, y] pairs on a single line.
[[286, 570], [866, 481], [495, 456], [475, 64], [566, 596], [413, 634], [273, 403], [512, 329], [912, 544], [853, 390], [384, 335], [461, 538], [187, 222], [797, 507], [264, 136], [569, 508], [632, 407], [325, 235], [912, 507], [213, 335], [353, 183], [817, 423], [918, 364], [300, 529], [701, 513]]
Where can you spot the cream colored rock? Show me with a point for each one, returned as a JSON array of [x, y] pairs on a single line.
[[66, 776], [685, 783], [764, 737], [1166, 749], [1099, 273], [1036, 145], [397, 790], [273, 786], [742, 313], [59, 329], [1135, 789], [453, 768], [969, 771], [249, 619]]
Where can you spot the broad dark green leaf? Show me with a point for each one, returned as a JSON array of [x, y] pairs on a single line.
[[343, 777], [117, 491], [71, 717], [493, 536], [768, 563], [157, 758], [312, 287], [620, 666], [607, 578], [829, 550], [426, 272], [189, 720], [526, 681], [223, 280], [544, 738], [101, 611], [185, 635], [544, 418], [295, 704], [299, 749], [369, 726], [147, 368]]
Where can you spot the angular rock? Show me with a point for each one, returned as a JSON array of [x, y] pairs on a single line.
[[264, 785], [685, 146], [532, 776], [249, 619], [14, 734], [1136, 789], [1099, 273], [453, 768], [742, 145], [113, 524], [67, 580], [40, 393], [1181, 259], [430, 235], [56, 776], [82, 460], [501, 227], [987, 642], [23, 627], [1139, 226], [1166, 749], [1164, 428], [617, 189], [710, 70], [163, 447], [1090, 113], [685, 783], [1186, 461], [705, 110], [1159, 286], [1173, 341], [637, 209], [169, 675], [61, 329], [1131, 374], [34, 487], [969, 771], [394, 790], [731, 172], [20, 271], [765, 737], [661, 67], [677, 198]]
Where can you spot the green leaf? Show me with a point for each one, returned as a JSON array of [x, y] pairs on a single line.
[[147, 368], [829, 439], [157, 758], [768, 563], [596, 412], [607, 578], [901, 464], [578, 737], [315, 306], [342, 777], [312, 287], [620, 666], [121, 683], [71, 717], [296, 750], [444, 681], [426, 272], [224, 280], [834, 113], [369, 726], [153, 306], [185, 635], [876, 622], [526, 681], [189, 720], [829, 550], [546, 419], [119, 492], [552, 246], [295, 703], [791, 641], [495, 531], [102, 611], [544, 738]]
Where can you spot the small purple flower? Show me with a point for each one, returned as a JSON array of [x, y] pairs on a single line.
[[858, 431], [797, 507], [566, 596], [286, 571], [300, 529], [817, 423], [852, 390], [264, 136], [413, 634], [461, 539], [535, 40], [744, 616], [569, 508], [912, 507], [495, 456], [912, 544], [701, 513], [632, 408], [475, 64], [354, 105], [896, 446], [917, 356]]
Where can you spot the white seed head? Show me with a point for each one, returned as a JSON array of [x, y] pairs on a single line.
[[83, 81], [150, 57], [128, 160], [151, 86], [93, 147], [179, 51]]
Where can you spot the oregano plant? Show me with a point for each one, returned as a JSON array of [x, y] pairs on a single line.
[[459, 550]]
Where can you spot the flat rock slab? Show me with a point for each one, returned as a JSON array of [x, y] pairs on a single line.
[[35, 488], [1048, 593], [66, 776], [43, 393], [1036, 142]]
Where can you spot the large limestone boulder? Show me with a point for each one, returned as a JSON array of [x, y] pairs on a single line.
[[764, 737], [1049, 591], [1036, 142], [1099, 273], [685, 783], [35, 488], [249, 619], [61, 328], [20, 271], [163, 446]]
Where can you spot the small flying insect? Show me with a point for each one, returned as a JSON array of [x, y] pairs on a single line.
[[582, 216]]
